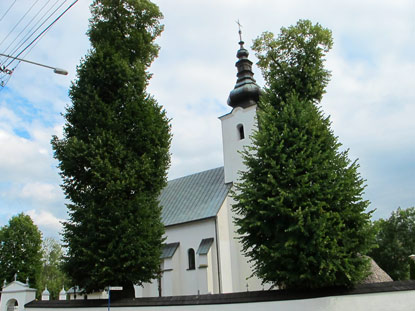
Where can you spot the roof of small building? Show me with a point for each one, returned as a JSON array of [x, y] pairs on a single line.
[[16, 286], [193, 197], [377, 275]]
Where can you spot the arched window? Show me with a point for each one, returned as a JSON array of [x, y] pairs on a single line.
[[241, 133], [191, 256]]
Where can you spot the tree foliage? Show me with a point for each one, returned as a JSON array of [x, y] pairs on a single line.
[[20, 250], [52, 275], [299, 203], [115, 151], [294, 62], [395, 243]]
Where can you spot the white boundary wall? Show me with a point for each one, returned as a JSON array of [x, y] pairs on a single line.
[[380, 302], [379, 297]]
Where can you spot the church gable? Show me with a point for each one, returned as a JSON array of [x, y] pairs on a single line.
[[194, 197]]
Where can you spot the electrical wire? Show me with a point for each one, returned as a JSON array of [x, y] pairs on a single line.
[[7, 11], [17, 24], [4, 78], [5, 51], [30, 33], [46, 29]]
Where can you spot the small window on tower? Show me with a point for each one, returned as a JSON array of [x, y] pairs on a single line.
[[241, 132]]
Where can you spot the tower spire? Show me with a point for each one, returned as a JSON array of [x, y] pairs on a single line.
[[246, 92]]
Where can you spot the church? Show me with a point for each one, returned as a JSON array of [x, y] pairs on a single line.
[[202, 254]]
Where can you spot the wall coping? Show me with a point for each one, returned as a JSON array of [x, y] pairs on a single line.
[[231, 298]]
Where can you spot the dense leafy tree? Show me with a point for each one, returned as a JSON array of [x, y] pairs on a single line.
[[395, 243], [52, 275], [294, 62], [115, 152], [20, 250], [299, 203]]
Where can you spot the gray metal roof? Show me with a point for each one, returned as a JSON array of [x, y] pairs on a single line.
[[169, 250], [193, 197], [204, 246]]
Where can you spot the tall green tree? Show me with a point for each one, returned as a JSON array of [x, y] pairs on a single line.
[[293, 63], [20, 250], [395, 243], [115, 152], [52, 275], [299, 206]]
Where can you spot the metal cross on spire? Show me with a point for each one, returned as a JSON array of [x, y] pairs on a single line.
[[240, 31]]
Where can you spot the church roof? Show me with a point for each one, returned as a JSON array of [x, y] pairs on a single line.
[[193, 197]]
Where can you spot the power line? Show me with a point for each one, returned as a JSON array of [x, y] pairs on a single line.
[[46, 29], [25, 27], [17, 24], [30, 33], [7, 11], [4, 78]]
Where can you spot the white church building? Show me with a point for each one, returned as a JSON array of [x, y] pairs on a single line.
[[202, 254]]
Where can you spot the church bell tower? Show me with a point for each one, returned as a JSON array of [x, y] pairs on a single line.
[[239, 124]]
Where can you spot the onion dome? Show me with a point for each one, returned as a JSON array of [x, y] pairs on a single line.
[[246, 92]]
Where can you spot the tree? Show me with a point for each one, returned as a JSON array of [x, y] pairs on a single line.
[[395, 243], [20, 245], [299, 206], [52, 275], [294, 62], [115, 152]]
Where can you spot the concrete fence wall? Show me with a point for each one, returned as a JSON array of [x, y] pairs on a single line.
[[381, 296]]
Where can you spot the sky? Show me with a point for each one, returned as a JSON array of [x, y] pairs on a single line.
[[370, 98]]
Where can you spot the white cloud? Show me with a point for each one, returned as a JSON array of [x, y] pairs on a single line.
[[41, 192], [46, 221], [23, 160], [372, 106]]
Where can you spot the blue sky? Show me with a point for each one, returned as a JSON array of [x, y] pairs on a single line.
[[370, 98]]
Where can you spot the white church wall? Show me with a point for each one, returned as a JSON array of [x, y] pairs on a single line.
[[237, 271], [167, 279], [202, 278], [212, 278], [246, 280], [232, 143], [147, 289], [237, 275], [229, 271], [171, 276], [176, 273], [178, 279], [235, 262], [190, 235]]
